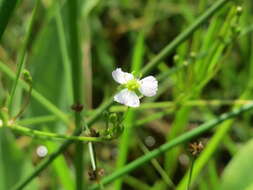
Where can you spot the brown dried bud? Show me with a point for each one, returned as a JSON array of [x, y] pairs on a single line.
[[77, 107], [92, 175], [195, 148], [95, 174], [101, 172], [94, 133]]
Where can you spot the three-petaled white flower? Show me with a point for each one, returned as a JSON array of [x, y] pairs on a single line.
[[132, 86]]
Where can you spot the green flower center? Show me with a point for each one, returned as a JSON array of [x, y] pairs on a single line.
[[132, 85]]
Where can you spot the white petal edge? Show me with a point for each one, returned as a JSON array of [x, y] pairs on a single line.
[[148, 86], [121, 77], [127, 98]]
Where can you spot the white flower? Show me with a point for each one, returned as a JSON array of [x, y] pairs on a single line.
[[147, 87], [127, 97], [1, 123]]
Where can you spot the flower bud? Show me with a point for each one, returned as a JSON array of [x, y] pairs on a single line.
[[27, 76]]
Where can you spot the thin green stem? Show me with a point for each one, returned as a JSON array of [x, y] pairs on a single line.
[[21, 57], [158, 167], [38, 120], [152, 117], [77, 82], [190, 103], [173, 143], [51, 136]]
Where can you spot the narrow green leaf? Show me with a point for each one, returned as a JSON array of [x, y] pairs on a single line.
[[238, 173]]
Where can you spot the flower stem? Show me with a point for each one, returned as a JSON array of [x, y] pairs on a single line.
[[51, 136]]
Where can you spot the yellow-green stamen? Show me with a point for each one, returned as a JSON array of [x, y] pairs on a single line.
[[132, 85]]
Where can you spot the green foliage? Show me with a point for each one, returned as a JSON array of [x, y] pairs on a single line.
[[237, 174], [6, 10], [56, 89], [14, 163]]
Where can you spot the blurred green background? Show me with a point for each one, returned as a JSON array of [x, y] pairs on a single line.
[[208, 74]]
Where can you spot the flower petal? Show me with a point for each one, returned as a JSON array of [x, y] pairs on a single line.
[[149, 86], [127, 98], [121, 77]]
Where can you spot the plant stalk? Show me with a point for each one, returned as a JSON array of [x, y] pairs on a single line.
[[77, 82]]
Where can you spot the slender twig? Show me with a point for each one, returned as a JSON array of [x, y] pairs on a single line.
[[167, 51], [173, 143]]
